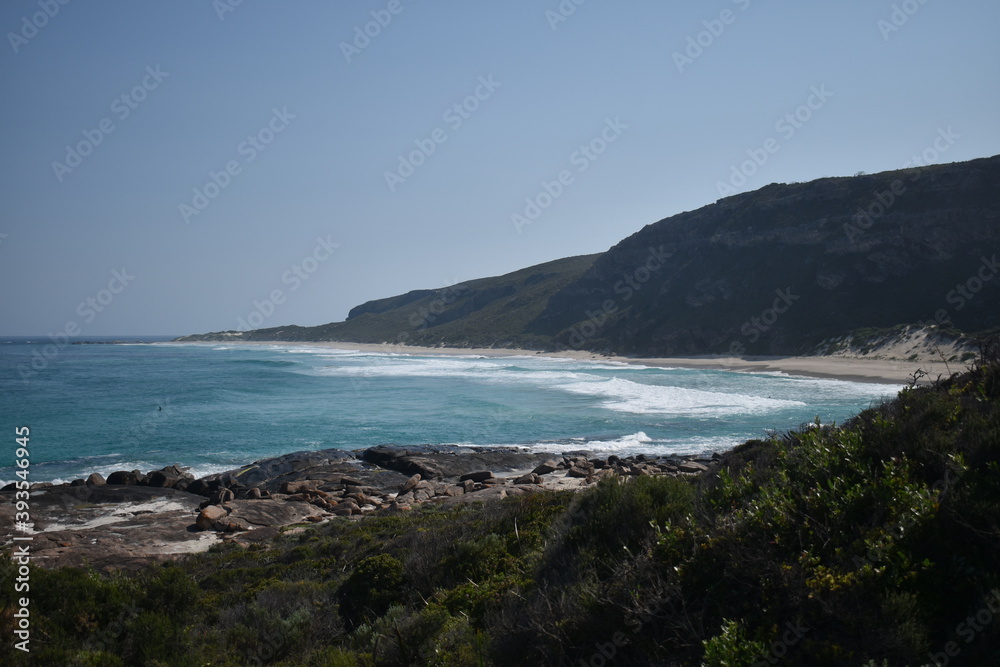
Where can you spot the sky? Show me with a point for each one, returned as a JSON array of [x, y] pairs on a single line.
[[206, 165]]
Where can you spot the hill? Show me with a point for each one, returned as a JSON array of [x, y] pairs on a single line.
[[781, 270], [489, 312]]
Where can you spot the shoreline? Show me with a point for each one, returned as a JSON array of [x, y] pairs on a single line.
[[130, 518], [847, 369]]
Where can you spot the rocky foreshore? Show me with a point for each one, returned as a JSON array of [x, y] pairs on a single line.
[[132, 518]]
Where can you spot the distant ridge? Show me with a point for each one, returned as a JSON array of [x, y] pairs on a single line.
[[780, 270]]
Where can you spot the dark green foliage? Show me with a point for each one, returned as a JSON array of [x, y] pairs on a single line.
[[372, 587], [872, 542]]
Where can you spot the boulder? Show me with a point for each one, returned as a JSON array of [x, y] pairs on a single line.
[[231, 524], [479, 476], [410, 483], [159, 479], [198, 487], [126, 478], [221, 496], [95, 479], [208, 516], [530, 478], [302, 486], [692, 467], [167, 478], [401, 460], [546, 468]]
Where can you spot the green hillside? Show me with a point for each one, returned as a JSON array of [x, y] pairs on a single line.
[[489, 312]]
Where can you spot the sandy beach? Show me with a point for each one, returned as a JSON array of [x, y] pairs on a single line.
[[887, 371]]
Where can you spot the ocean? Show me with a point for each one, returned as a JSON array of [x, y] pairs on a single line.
[[214, 407]]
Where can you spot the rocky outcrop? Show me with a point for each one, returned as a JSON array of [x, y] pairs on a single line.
[[444, 462], [123, 522]]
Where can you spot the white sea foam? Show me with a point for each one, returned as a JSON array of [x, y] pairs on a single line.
[[451, 367], [628, 396]]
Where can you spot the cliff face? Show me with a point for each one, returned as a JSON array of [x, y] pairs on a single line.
[[773, 271]]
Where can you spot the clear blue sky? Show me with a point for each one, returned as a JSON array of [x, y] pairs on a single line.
[[206, 85]]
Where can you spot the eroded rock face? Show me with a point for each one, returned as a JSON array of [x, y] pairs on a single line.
[[111, 526], [444, 462]]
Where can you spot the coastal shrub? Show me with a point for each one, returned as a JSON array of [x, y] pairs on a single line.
[[731, 648], [332, 656], [371, 588], [618, 516], [153, 638]]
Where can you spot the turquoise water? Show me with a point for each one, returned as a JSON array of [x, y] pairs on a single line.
[[98, 407]]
